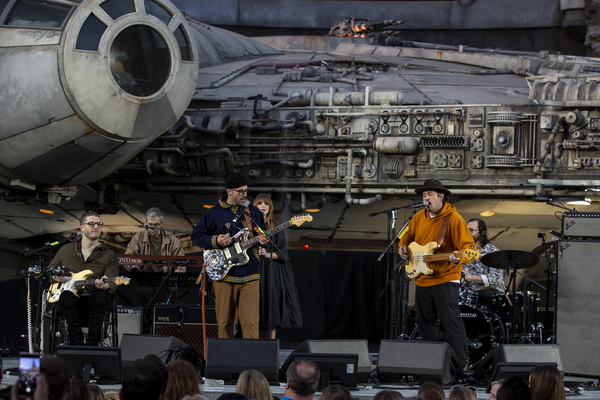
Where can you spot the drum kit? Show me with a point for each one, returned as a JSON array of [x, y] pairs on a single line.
[[513, 315]]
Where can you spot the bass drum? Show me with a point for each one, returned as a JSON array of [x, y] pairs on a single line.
[[484, 329]]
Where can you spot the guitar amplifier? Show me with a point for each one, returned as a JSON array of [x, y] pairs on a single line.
[[581, 225], [185, 323]]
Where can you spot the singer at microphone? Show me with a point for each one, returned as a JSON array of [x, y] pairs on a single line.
[[438, 229], [238, 266]]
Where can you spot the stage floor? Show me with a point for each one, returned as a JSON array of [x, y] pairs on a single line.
[[579, 387]]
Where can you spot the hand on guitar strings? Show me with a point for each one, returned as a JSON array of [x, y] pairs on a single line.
[[223, 240], [453, 258], [101, 284], [402, 252]]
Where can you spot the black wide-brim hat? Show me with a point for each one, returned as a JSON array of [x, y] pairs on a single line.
[[432, 184]]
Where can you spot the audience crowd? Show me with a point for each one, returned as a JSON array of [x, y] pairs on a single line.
[[150, 379]]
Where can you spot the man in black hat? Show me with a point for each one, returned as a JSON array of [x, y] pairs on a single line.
[[240, 287], [437, 292]]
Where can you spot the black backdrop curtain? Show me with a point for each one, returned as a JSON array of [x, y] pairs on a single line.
[[338, 294]]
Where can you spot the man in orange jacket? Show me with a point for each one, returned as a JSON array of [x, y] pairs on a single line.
[[437, 293]]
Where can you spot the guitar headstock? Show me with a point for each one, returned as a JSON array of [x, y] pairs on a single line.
[[121, 280], [300, 219], [471, 253]]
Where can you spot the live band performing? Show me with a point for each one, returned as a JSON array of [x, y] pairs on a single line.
[[469, 294]]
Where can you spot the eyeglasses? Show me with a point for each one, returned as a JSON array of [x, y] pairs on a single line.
[[92, 224], [152, 226], [240, 192], [473, 230]]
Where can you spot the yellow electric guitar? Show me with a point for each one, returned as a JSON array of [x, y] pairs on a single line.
[[419, 258], [77, 282]]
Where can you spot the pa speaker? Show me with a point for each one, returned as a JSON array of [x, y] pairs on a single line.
[[523, 353], [226, 359], [577, 328], [360, 347], [430, 361], [138, 346]]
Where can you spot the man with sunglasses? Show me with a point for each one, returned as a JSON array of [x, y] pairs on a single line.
[[240, 287], [87, 253], [486, 281], [153, 240]]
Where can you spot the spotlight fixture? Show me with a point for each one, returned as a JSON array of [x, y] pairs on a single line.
[[46, 211], [488, 213]]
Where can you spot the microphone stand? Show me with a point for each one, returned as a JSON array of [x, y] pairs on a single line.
[[404, 284], [550, 276]]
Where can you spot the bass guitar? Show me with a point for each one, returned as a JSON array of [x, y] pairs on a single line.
[[219, 262], [419, 258], [77, 282]]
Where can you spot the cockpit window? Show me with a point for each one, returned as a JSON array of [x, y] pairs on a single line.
[[90, 34], [118, 8], [140, 60], [184, 44], [154, 8], [38, 14]]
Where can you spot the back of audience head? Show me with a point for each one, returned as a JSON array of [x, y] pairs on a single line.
[[80, 390], [546, 383], [303, 378], [332, 390], [494, 388], [57, 377], [462, 393], [254, 385], [388, 394], [95, 392], [111, 396], [431, 391], [513, 388], [153, 358], [183, 380], [143, 381]]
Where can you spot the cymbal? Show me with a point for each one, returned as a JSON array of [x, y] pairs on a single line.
[[508, 259]]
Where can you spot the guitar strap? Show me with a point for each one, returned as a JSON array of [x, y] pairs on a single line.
[[443, 230]]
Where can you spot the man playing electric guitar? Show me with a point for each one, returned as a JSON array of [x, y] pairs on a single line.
[[241, 286], [437, 293], [78, 256]]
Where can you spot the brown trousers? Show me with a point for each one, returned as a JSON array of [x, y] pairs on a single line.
[[245, 297]]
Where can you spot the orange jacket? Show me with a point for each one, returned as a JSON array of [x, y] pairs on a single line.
[[423, 229]]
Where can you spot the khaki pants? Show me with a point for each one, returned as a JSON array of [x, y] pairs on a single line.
[[245, 297]]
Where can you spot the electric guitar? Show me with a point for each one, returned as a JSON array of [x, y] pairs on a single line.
[[219, 262], [77, 282], [419, 258]]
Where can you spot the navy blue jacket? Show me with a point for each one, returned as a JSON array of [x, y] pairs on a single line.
[[217, 221]]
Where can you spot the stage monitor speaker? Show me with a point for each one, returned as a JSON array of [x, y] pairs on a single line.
[[429, 361], [360, 347], [577, 328], [185, 323], [138, 346], [226, 359], [523, 353]]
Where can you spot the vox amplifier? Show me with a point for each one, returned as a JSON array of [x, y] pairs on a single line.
[[185, 323]]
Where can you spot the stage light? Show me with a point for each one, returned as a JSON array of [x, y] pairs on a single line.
[[305, 247], [488, 213], [313, 210], [46, 211], [207, 206]]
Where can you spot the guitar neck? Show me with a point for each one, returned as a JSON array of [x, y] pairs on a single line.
[[438, 257], [92, 281], [277, 229]]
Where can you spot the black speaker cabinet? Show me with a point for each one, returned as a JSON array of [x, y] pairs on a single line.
[[577, 308], [226, 359], [429, 361], [138, 346], [522, 353], [360, 347], [185, 323]]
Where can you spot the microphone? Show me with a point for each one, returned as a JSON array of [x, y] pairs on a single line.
[[540, 235], [79, 235], [394, 217], [240, 211], [146, 226], [422, 203], [262, 211]]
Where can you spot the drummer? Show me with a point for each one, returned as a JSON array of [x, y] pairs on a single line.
[[486, 281]]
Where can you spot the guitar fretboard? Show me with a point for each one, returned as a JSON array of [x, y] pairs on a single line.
[[249, 243], [92, 281], [438, 257]]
